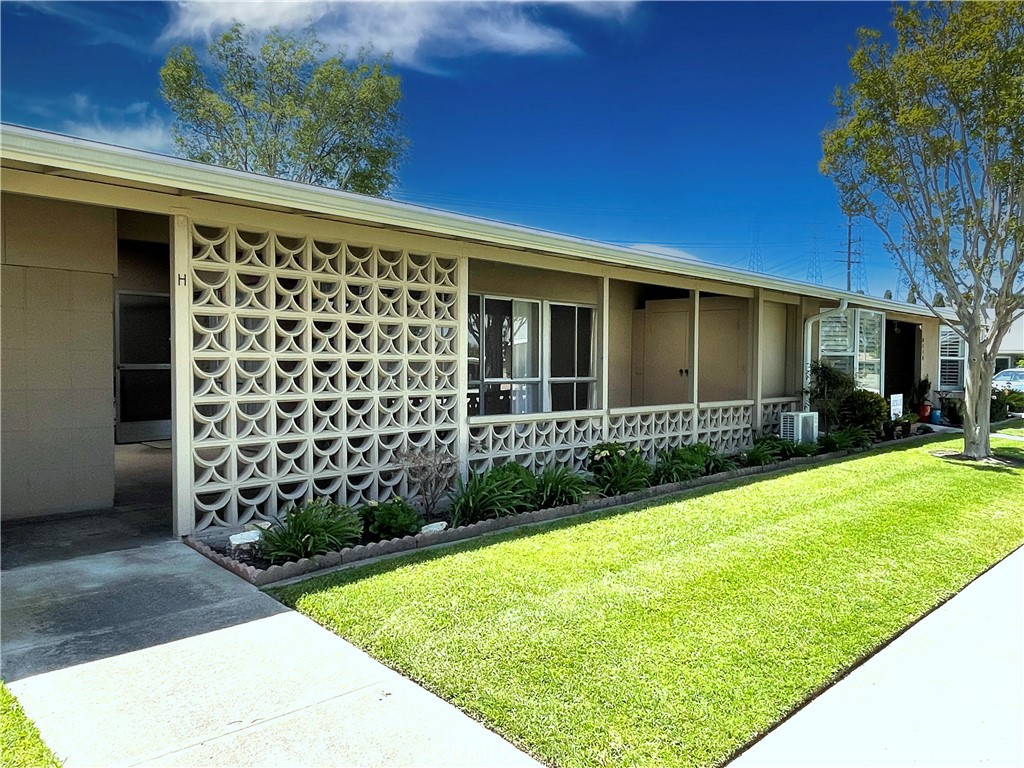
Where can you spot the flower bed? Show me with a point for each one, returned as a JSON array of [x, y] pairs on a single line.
[[361, 552]]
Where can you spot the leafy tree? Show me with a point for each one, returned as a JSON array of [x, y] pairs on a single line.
[[930, 138], [280, 109]]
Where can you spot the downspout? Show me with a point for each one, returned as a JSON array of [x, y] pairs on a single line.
[[843, 305]]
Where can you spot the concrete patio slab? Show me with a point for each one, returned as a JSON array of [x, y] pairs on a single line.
[[158, 656], [948, 692]]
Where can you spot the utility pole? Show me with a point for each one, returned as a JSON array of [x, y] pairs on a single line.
[[755, 263], [852, 262]]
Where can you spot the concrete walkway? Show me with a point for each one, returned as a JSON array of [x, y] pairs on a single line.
[[948, 692], [156, 656]]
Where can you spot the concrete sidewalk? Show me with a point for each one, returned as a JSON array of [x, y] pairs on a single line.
[[948, 692], [156, 656]]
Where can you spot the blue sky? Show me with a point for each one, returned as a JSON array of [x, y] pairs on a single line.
[[692, 126]]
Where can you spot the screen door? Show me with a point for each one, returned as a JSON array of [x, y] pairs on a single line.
[[143, 367]]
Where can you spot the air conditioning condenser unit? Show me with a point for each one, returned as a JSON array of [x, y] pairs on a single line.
[[799, 427]]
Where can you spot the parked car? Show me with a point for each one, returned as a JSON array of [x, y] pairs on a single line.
[[1011, 378]]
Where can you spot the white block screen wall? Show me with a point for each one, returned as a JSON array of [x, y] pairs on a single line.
[[314, 365]]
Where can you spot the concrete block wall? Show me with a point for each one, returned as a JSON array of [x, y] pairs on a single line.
[[56, 345]]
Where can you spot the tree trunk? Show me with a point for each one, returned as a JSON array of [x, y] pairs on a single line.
[[978, 402]]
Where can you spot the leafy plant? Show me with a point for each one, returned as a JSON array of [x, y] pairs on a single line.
[[617, 469], [921, 393], [524, 484], [677, 466], [805, 449], [785, 449], [865, 409], [828, 389], [1005, 400], [762, 453], [486, 495], [557, 485], [845, 439], [313, 528], [719, 462], [392, 518]]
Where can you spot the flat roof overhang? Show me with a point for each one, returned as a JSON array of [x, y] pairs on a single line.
[[42, 152]]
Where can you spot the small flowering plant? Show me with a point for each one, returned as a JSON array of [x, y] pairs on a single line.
[[618, 469]]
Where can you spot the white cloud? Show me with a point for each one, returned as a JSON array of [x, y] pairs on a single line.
[[136, 125], [416, 33]]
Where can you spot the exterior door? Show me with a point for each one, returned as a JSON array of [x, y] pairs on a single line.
[[142, 358], [667, 353]]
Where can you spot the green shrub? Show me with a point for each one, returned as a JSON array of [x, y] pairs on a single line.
[[865, 409], [719, 462], [783, 449], [1005, 400], [392, 518], [828, 389], [497, 492], [677, 466], [762, 453], [617, 469], [315, 527], [557, 486], [524, 484], [845, 439], [805, 449]]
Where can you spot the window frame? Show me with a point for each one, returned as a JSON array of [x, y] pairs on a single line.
[[590, 380], [544, 380], [960, 359], [855, 353]]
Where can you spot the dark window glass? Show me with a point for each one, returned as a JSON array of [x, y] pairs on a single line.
[[563, 342], [583, 400], [498, 341], [473, 341], [563, 396], [145, 332], [584, 345], [145, 395]]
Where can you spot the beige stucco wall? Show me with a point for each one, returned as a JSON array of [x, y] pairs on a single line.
[[774, 349], [622, 301], [724, 352], [504, 279], [56, 343]]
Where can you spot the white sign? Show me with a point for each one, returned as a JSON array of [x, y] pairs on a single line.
[[895, 406]]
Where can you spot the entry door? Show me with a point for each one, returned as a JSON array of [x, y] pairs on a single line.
[[143, 367], [666, 355]]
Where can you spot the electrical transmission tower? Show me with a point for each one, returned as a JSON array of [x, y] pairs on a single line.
[[755, 263], [814, 261]]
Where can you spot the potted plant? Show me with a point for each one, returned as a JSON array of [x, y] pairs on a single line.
[[907, 422], [919, 399], [889, 429]]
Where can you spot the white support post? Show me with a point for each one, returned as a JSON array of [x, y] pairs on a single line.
[[757, 339], [605, 324], [694, 366], [181, 355], [462, 365]]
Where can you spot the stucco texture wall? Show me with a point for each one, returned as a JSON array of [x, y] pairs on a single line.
[[56, 343]]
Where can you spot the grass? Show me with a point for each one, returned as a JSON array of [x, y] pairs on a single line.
[[20, 743], [675, 633], [1013, 427]]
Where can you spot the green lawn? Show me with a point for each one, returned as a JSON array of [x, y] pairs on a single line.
[[675, 633], [1014, 427], [20, 744]]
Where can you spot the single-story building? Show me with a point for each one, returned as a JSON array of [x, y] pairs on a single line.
[[292, 341]]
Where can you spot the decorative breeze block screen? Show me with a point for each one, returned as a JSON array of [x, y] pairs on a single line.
[[652, 431], [534, 443], [725, 428], [314, 365]]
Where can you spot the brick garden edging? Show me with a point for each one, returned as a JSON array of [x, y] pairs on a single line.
[[308, 565]]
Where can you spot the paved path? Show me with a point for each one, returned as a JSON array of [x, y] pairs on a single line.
[[948, 692], [156, 656]]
